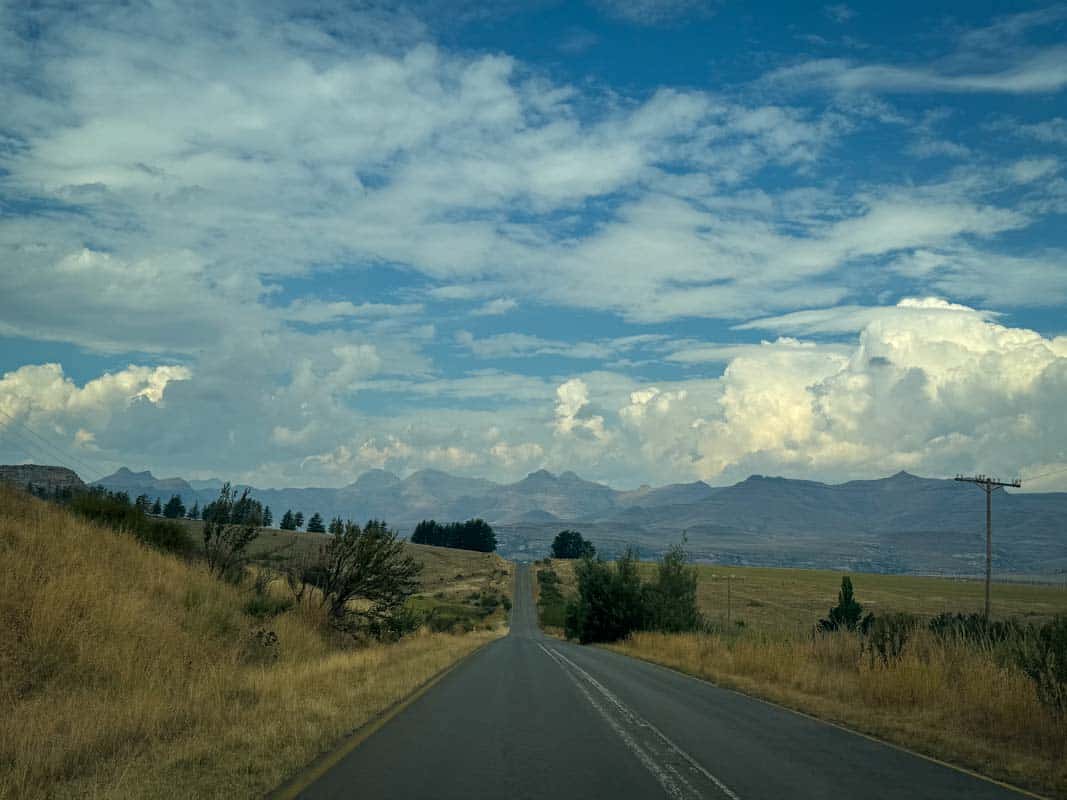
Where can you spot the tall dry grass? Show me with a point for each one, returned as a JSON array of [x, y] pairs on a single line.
[[945, 699], [128, 673]]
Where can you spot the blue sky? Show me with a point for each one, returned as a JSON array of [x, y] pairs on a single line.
[[646, 240]]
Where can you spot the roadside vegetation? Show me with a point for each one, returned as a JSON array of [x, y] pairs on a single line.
[[130, 668], [917, 666]]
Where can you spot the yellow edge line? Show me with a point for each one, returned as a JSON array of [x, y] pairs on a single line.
[[841, 727], [292, 788]]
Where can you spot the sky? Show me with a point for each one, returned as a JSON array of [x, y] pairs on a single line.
[[649, 241]]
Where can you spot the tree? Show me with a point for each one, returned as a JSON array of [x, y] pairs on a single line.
[[570, 544], [298, 520], [157, 508], [142, 504], [288, 524], [847, 613], [370, 565], [315, 524], [336, 527], [194, 512], [474, 534], [610, 603], [268, 518], [672, 600], [227, 535], [174, 508]]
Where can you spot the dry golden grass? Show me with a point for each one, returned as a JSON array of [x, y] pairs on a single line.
[[941, 699], [791, 600], [127, 673]]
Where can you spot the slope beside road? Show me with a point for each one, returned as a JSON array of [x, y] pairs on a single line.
[[533, 717]]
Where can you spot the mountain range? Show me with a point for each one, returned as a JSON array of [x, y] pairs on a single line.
[[902, 523]]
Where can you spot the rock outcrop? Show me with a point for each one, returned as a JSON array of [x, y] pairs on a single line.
[[41, 478]]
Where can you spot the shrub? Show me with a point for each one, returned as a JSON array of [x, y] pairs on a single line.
[[1042, 654], [885, 636]]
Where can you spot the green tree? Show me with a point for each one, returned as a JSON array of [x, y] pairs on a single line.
[[288, 524], [336, 527], [848, 612], [157, 508], [315, 524], [268, 518], [194, 512], [298, 520], [174, 509], [142, 504], [610, 602], [570, 544], [672, 600], [474, 534]]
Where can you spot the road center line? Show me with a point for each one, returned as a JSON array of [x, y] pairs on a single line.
[[654, 750]]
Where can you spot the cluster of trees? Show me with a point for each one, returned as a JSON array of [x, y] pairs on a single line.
[[570, 544], [115, 510], [613, 601], [474, 534]]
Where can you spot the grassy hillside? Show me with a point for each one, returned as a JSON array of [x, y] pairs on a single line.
[[951, 699], [125, 672]]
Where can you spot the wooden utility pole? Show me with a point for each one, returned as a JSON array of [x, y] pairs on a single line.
[[988, 485]]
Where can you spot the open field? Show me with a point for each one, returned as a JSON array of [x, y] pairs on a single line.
[[126, 672], [792, 600], [951, 700]]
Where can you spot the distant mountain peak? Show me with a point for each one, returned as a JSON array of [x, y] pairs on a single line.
[[375, 479], [127, 472]]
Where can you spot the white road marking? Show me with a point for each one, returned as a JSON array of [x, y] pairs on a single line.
[[674, 783]]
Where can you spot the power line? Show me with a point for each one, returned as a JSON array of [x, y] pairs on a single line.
[[1046, 474], [989, 485], [64, 456]]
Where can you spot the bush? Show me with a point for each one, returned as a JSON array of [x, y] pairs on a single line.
[[1042, 654], [885, 636]]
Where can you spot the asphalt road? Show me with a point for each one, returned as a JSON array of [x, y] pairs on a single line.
[[533, 717]]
